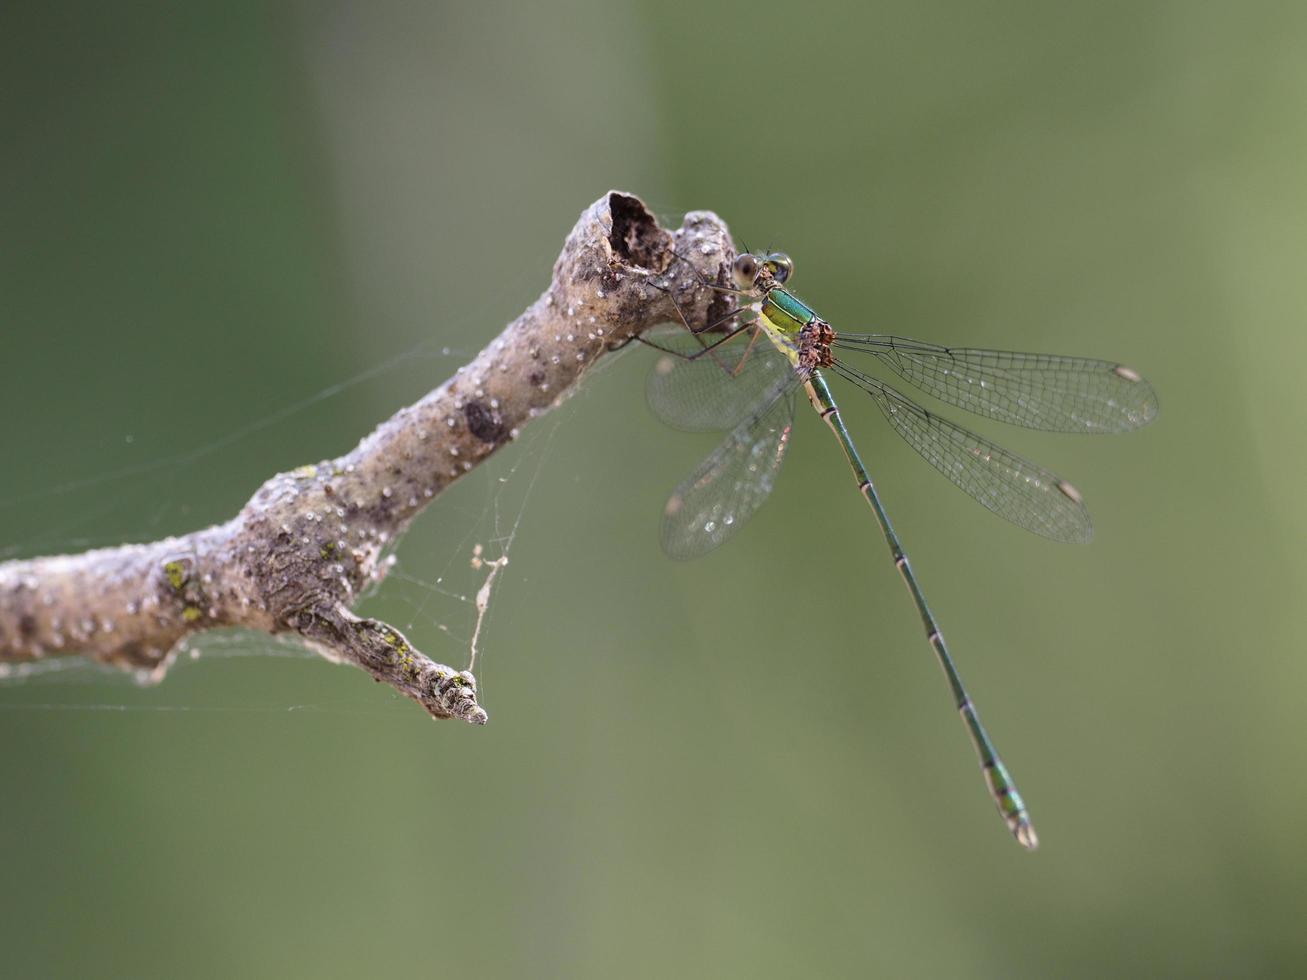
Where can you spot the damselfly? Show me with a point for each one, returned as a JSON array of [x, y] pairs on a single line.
[[743, 375]]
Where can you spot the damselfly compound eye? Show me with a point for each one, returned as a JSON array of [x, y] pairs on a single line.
[[746, 270], [780, 265]]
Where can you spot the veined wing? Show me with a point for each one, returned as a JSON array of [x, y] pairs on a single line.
[[1013, 488], [714, 501], [1038, 391], [720, 388]]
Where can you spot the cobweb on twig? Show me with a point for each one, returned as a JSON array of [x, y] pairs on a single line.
[[448, 598]]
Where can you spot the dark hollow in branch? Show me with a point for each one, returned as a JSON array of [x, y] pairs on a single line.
[[300, 552]]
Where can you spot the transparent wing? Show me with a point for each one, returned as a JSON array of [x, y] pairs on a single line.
[[719, 389], [1013, 488], [1038, 391], [714, 501]]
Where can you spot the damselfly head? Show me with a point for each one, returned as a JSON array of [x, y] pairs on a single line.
[[750, 266]]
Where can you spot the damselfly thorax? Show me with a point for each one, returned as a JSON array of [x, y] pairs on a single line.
[[793, 327]]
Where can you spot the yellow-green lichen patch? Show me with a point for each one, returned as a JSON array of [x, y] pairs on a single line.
[[179, 573], [395, 640], [304, 472], [409, 663], [176, 572], [403, 657], [328, 549]]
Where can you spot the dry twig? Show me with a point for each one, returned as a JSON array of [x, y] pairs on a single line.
[[298, 555]]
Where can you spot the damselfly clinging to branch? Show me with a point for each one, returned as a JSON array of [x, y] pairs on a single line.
[[745, 379]]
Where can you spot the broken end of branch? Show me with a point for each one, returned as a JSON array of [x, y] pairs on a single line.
[[386, 654]]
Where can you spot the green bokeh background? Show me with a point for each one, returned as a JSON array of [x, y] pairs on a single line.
[[741, 767]]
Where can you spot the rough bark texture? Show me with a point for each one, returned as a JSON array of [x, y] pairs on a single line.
[[298, 555]]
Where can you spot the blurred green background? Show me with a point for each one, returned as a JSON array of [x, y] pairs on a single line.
[[741, 767]]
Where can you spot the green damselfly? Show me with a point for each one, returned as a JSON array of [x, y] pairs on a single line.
[[743, 375]]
